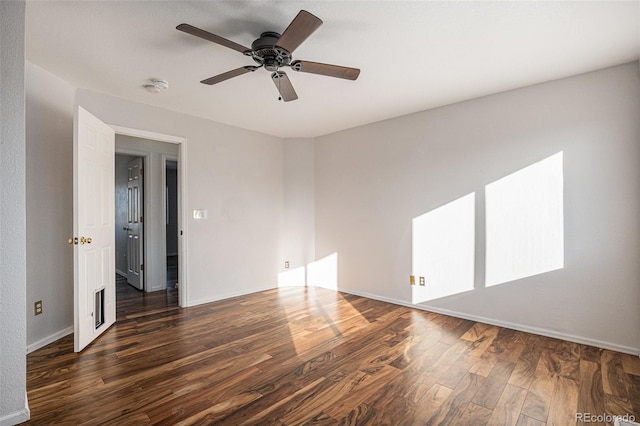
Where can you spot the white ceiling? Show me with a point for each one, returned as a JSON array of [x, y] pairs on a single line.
[[414, 55]]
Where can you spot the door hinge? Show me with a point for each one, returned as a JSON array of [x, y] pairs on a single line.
[[142, 267], [141, 219], [141, 171]]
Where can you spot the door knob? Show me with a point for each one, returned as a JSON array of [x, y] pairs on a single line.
[[73, 240], [125, 228]]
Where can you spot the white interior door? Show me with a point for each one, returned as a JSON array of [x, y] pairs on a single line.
[[135, 229], [93, 227]]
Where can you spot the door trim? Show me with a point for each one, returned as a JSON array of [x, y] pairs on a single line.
[[183, 287]]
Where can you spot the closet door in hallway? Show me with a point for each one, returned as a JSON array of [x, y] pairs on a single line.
[[135, 226]]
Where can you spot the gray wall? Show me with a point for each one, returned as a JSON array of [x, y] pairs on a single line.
[[49, 205], [13, 330], [299, 210], [372, 181]]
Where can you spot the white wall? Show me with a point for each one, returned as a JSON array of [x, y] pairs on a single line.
[[13, 383], [49, 133], [298, 243], [373, 180], [155, 245], [236, 175]]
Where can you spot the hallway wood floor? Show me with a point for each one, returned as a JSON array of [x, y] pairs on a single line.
[[296, 356]]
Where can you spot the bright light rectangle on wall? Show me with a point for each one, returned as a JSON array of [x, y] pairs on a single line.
[[293, 277], [524, 220], [324, 272], [443, 249]]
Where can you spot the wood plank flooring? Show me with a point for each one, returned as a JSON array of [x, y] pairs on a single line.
[[296, 356]]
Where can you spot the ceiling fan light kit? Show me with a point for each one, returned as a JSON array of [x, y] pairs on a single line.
[[273, 51]]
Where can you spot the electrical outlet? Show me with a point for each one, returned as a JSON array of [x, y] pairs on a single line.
[[412, 279], [37, 307], [286, 264], [422, 282]]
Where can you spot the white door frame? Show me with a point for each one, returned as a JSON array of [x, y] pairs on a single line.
[[182, 198]]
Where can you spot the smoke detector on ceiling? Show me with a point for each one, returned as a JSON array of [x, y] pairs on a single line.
[[157, 86]]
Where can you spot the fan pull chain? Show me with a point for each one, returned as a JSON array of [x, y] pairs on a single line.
[[279, 91]]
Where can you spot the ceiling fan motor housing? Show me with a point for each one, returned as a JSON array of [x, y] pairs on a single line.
[[265, 52]]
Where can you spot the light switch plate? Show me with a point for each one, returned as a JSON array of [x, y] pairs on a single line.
[[199, 214]]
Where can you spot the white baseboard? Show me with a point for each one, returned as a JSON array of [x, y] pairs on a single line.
[[17, 417], [122, 274], [514, 326], [230, 295], [49, 339]]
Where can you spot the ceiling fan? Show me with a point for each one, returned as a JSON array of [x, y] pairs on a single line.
[[273, 51]]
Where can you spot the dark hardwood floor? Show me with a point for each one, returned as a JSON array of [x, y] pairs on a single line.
[[296, 356]]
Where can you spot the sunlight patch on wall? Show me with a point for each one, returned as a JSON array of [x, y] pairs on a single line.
[[293, 277], [524, 219], [443, 249], [324, 272]]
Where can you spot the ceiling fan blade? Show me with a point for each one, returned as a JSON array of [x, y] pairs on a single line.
[[229, 74], [302, 26], [326, 69], [284, 86], [190, 29]]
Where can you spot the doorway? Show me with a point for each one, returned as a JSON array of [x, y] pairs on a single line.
[[129, 220], [164, 205]]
